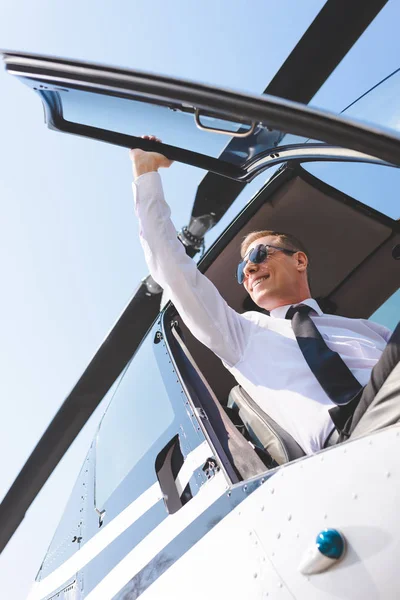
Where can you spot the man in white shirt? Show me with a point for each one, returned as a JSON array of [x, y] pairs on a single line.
[[261, 350]]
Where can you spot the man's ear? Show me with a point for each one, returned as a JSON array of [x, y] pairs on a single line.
[[301, 260]]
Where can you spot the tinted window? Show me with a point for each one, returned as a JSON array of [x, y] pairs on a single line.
[[380, 105], [389, 313], [139, 414], [138, 118], [70, 527], [376, 186], [373, 185], [173, 123]]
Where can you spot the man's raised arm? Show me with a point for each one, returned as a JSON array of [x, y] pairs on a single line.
[[199, 303]]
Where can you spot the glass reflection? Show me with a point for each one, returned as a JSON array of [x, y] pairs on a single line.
[[138, 415], [140, 118], [380, 105], [174, 127], [376, 186], [389, 313]]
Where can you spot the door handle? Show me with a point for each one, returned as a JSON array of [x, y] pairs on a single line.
[[168, 464], [237, 134]]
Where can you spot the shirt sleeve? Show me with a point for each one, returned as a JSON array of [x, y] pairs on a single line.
[[197, 300], [383, 331]]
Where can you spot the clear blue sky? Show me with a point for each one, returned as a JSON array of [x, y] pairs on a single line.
[[70, 258]]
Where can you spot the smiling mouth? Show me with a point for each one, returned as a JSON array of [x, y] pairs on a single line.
[[255, 284]]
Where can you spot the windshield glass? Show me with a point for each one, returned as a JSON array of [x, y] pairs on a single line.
[[388, 313], [380, 105], [139, 415], [376, 186], [173, 126]]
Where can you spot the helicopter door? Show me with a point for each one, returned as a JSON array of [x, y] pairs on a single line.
[[231, 134]]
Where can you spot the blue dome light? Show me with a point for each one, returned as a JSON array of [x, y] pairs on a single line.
[[330, 543]]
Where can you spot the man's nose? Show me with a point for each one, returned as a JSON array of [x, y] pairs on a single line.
[[250, 268]]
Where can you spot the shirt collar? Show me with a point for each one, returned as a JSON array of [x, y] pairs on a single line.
[[280, 311]]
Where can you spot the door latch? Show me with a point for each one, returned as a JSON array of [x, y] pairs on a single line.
[[210, 468], [200, 412]]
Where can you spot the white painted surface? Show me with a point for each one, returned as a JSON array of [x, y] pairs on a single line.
[[354, 487], [151, 545], [194, 459], [314, 562], [116, 527], [96, 544], [255, 551], [228, 563]]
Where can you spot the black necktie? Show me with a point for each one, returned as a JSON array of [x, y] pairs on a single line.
[[332, 373]]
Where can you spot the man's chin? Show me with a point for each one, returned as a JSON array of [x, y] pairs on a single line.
[[263, 298]]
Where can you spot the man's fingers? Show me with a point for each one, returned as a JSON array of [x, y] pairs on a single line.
[[151, 161], [152, 138]]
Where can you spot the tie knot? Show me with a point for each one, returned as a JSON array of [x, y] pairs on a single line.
[[301, 308]]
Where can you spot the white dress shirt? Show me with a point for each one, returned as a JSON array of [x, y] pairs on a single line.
[[261, 351]]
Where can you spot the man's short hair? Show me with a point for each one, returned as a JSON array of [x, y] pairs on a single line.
[[286, 239]]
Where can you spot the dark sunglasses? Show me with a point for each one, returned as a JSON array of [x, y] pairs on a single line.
[[257, 255]]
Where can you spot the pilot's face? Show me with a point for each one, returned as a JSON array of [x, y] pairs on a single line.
[[275, 281]]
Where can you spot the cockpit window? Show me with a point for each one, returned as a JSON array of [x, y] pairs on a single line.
[[380, 105], [139, 414], [376, 186], [174, 123], [137, 118], [388, 313]]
